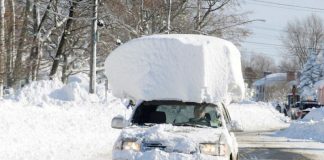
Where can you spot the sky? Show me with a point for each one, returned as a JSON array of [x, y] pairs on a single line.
[[266, 35]]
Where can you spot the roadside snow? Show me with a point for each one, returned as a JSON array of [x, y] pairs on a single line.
[[311, 127], [191, 68], [49, 120], [257, 116]]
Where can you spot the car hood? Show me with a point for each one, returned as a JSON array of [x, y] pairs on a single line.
[[173, 138]]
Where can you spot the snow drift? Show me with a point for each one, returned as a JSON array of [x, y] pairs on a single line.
[[50, 120], [184, 67], [311, 127], [257, 116]]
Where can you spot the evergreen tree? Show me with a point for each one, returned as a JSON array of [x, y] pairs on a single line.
[[310, 74]]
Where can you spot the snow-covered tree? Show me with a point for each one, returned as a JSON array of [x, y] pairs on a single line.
[[310, 74]]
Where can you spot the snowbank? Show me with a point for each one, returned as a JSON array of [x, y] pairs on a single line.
[[49, 120], [53, 132], [185, 67], [54, 92], [257, 116], [311, 127]]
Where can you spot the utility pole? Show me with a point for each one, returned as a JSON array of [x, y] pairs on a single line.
[[169, 16], [93, 55]]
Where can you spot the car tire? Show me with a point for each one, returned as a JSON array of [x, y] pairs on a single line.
[[231, 157]]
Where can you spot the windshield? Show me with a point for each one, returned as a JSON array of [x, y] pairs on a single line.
[[178, 114], [309, 105]]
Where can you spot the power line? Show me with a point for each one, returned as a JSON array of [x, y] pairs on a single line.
[[289, 5], [278, 45], [266, 44], [281, 7], [262, 53], [268, 29]]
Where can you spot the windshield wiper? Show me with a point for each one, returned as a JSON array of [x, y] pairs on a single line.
[[190, 124]]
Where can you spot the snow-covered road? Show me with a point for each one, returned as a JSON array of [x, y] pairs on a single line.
[[262, 145]]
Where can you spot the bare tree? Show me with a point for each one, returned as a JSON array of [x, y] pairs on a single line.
[[19, 68], [260, 64], [49, 37], [11, 41], [287, 65], [62, 42], [2, 46], [303, 36]]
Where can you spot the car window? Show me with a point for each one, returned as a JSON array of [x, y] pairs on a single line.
[[309, 105], [178, 114]]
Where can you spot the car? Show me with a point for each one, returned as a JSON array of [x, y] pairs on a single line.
[[169, 129], [292, 99], [301, 108]]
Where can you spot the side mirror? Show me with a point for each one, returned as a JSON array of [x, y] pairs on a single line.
[[236, 127], [118, 122], [129, 103]]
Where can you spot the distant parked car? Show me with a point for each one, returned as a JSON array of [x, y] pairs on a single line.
[[176, 130], [292, 99], [301, 108]]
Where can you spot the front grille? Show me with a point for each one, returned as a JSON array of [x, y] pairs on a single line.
[[153, 145]]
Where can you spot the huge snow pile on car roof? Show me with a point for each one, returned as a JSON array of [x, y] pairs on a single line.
[[193, 68]]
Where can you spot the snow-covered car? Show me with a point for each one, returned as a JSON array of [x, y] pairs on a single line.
[[301, 108], [176, 130]]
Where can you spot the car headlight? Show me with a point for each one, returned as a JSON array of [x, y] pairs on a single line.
[[131, 145], [213, 149]]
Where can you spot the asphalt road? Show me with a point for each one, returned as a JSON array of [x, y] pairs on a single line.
[[264, 146], [269, 153]]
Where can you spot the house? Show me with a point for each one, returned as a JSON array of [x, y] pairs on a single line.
[[274, 86]]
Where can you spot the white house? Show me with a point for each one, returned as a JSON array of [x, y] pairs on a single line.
[[272, 84]]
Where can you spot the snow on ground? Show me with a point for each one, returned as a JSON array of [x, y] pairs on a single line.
[[311, 127], [257, 116], [191, 68], [49, 120]]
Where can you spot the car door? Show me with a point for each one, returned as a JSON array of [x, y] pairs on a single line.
[[228, 121]]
